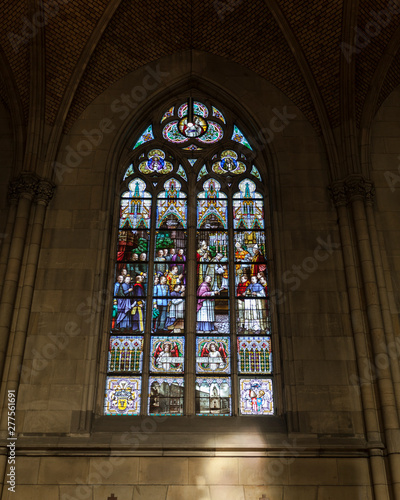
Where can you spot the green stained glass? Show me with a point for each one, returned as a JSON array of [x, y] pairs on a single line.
[[182, 173], [129, 171], [256, 173], [202, 173], [239, 137], [145, 137]]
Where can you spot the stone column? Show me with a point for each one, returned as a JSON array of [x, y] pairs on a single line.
[[6, 237], [359, 193], [364, 383], [43, 193], [24, 189]]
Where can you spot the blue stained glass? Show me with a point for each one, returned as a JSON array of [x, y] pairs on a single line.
[[256, 396], [192, 161], [171, 206], [168, 113], [239, 137], [172, 134], [182, 172], [214, 133], [145, 137], [248, 207], [198, 108]]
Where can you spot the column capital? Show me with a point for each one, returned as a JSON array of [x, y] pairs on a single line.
[[31, 186], [44, 191], [353, 187]]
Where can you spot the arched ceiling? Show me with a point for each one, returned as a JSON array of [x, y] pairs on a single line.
[[264, 36]]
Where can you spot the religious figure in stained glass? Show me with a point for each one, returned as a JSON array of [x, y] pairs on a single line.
[[205, 306], [167, 354], [212, 354], [156, 163]]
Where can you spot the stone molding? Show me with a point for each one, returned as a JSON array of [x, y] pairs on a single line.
[[30, 186], [354, 187]]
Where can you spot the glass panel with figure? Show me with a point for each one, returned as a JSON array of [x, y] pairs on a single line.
[[125, 354], [212, 314], [213, 396], [213, 355], [167, 354], [254, 354], [168, 307], [122, 396], [256, 396], [166, 396]]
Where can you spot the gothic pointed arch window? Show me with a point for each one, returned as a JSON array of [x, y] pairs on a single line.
[[190, 330]]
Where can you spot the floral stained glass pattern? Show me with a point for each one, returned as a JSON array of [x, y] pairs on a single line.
[[125, 354], [122, 396], [254, 355]]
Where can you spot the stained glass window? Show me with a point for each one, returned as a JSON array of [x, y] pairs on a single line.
[[206, 312]]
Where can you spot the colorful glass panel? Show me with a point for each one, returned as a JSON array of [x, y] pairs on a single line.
[[256, 396], [172, 134], [122, 396], [145, 137], [256, 173], [168, 113], [166, 396], [212, 314], [167, 354], [192, 161], [217, 270], [214, 133], [168, 314], [202, 173], [229, 164], [212, 206], [237, 136], [211, 243], [218, 114], [192, 147], [254, 354], [135, 206], [248, 207], [129, 171], [125, 354], [213, 355], [181, 172], [171, 206], [213, 396], [194, 129], [252, 311], [132, 244], [198, 108], [155, 163]]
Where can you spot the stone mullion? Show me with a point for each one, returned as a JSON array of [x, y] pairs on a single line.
[[44, 194], [232, 311], [149, 309], [191, 302], [25, 187]]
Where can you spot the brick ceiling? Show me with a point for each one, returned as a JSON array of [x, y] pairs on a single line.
[[245, 33]]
